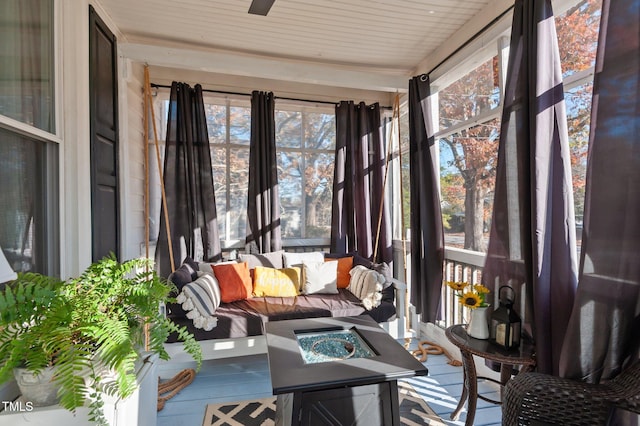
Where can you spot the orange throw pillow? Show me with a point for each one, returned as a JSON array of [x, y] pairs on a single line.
[[234, 280], [344, 267]]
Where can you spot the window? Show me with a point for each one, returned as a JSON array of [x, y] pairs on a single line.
[[305, 141], [468, 140], [29, 220], [26, 65], [229, 127], [469, 123], [578, 42]]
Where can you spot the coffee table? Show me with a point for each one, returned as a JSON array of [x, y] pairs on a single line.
[[343, 389], [524, 356]]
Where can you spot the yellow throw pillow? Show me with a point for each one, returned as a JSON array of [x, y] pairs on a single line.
[[276, 282]]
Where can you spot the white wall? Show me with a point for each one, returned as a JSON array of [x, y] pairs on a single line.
[[132, 173], [75, 191]]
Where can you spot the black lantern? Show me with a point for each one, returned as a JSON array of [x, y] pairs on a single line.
[[505, 322]]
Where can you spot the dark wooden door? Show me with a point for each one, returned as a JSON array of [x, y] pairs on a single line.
[[103, 90]]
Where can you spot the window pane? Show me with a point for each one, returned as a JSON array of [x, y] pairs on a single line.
[[28, 224], [219, 168], [404, 169], [318, 194], [216, 123], [578, 101], [467, 178], [238, 192], [290, 187], [305, 138], [578, 36], [320, 131], [240, 125], [473, 94], [26, 62], [288, 129]]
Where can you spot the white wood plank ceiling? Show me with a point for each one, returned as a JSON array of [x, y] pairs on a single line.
[[385, 37]]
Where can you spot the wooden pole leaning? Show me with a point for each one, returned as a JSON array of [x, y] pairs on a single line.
[[149, 101], [394, 130]]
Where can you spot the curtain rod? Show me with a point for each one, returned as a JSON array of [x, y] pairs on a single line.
[[164, 86], [470, 40]]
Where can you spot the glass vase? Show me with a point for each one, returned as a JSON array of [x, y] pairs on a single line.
[[478, 326]]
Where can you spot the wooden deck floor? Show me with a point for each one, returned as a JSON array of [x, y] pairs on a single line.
[[242, 378]]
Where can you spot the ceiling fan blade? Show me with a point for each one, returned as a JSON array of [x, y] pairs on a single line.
[[260, 7]]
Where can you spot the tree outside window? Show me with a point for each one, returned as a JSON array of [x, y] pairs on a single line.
[[469, 127], [305, 140]]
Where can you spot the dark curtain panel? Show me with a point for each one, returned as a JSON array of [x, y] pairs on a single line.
[[358, 183], [188, 183], [427, 234], [532, 238], [263, 205], [604, 331]]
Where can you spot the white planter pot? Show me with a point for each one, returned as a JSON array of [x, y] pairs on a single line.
[[40, 390], [140, 409]]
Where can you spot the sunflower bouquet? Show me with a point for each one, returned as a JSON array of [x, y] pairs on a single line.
[[470, 295]]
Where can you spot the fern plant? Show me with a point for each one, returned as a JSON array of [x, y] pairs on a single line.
[[24, 329], [92, 328]]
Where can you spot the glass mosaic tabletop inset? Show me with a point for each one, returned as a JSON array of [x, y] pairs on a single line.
[[332, 345]]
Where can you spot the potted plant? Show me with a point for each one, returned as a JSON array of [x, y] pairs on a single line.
[[91, 329], [26, 326]]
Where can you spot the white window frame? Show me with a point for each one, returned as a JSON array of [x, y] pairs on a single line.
[[53, 180]]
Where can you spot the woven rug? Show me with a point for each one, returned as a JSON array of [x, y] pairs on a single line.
[[261, 412]]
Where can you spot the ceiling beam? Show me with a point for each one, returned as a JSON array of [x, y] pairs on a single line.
[[263, 67]]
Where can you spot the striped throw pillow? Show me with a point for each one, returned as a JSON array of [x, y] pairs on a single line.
[[200, 299]]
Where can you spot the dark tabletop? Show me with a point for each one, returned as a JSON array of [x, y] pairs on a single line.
[[290, 373], [524, 354]]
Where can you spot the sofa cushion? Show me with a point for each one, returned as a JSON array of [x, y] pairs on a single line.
[[246, 317], [320, 277], [269, 260], [208, 266], [283, 282], [344, 267], [388, 292], [234, 280], [186, 273], [366, 285], [296, 259], [200, 299]]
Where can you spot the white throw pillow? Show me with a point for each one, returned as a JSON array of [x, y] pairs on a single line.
[[366, 285], [320, 277], [200, 299], [297, 259]]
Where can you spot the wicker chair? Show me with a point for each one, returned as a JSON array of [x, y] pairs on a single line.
[[540, 399]]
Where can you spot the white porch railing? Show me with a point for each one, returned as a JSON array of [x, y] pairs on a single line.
[[459, 265]]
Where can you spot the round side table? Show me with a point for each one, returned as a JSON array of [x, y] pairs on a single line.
[[523, 355]]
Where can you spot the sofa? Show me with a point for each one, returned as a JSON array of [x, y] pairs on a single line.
[[232, 300]]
